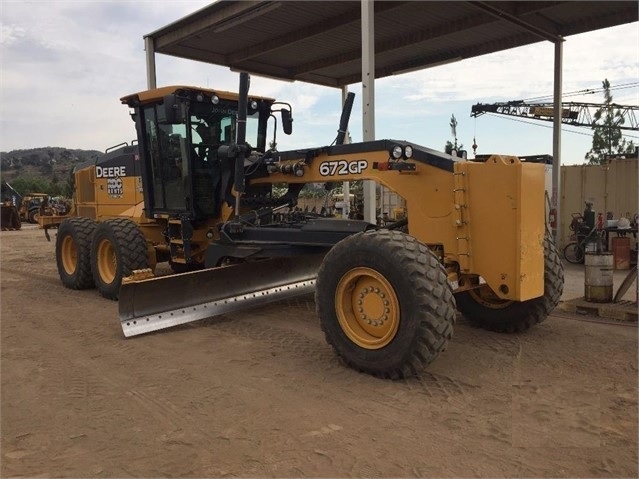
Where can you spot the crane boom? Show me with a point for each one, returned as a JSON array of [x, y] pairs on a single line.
[[572, 113]]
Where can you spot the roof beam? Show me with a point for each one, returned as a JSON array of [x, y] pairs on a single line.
[[502, 15], [523, 38], [205, 20], [397, 42], [606, 20], [400, 41], [307, 32]]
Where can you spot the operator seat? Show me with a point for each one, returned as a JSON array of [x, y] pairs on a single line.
[[206, 173]]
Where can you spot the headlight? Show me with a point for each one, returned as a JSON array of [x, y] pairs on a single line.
[[253, 105], [199, 97], [215, 99], [408, 151], [397, 152]]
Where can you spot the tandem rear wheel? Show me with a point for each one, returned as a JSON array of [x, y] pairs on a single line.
[[118, 248], [486, 310], [384, 303], [73, 252]]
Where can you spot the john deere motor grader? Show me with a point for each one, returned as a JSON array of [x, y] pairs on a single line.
[[197, 191]]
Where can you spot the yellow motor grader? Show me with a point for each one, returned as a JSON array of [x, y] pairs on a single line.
[[197, 190]]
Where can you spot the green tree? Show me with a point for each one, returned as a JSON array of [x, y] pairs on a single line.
[[607, 138], [69, 186], [30, 185]]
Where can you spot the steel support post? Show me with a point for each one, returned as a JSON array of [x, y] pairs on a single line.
[[150, 62], [556, 142], [346, 187], [368, 98]]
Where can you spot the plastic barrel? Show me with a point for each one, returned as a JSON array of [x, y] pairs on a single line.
[[598, 282]]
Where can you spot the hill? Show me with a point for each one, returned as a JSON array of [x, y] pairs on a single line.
[[46, 169]]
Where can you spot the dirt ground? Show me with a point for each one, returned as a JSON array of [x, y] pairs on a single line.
[[260, 393]]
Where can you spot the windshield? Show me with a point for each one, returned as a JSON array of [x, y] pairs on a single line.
[[215, 126], [183, 167]]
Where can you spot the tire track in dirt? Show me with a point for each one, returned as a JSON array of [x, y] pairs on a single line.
[[75, 370], [318, 358], [38, 276], [73, 377], [500, 343]]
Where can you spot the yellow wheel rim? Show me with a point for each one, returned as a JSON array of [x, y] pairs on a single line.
[[107, 261], [487, 298], [69, 255], [367, 308]]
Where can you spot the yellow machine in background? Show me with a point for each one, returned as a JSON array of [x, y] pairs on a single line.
[[30, 206], [197, 191]]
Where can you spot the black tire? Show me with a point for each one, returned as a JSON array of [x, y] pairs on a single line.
[[573, 253], [118, 248], [73, 252], [32, 216], [412, 310], [512, 316]]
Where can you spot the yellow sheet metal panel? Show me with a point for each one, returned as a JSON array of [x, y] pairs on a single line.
[[119, 192], [505, 204], [428, 192]]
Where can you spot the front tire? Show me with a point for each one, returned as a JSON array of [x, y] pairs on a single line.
[[118, 248], [384, 303], [73, 252], [32, 216], [483, 308]]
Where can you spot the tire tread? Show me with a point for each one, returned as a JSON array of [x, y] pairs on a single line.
[[436, 304]]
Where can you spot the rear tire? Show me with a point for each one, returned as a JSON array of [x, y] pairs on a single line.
[[73, 252], [483, 308], [118, 248], [384, 303], [573, 253]]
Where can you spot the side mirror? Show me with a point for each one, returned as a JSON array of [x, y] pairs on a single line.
[[172, 112], [287, 121]]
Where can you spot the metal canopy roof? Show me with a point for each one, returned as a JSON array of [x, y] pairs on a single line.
[[320, 41]]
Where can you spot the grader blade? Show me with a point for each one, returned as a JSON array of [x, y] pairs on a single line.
[[163, 302]]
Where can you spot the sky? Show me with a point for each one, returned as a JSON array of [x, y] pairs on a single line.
[[65, 65]]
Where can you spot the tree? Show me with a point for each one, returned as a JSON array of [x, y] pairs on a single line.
[[30, 185], [450, 146], [607, 139]]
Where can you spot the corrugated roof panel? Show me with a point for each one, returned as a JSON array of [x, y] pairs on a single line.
[[320, 41]]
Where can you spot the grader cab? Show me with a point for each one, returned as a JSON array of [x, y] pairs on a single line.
[[198, 191]]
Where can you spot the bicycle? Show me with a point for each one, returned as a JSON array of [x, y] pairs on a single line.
[[575, 251]]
